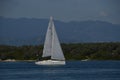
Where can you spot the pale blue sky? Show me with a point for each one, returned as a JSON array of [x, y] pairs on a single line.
[[64, 10]]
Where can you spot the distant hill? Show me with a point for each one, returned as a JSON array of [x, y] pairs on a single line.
[[25, 31]]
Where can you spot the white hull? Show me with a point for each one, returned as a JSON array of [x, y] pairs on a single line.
[[50, 62]]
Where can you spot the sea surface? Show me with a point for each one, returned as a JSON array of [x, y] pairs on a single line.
[[73, 70]]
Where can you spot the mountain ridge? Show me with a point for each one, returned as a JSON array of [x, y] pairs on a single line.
[[31, 31]]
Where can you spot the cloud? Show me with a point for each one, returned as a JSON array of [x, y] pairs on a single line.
[[103, 13]]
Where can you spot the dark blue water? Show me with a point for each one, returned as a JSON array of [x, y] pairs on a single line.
[[73, 70]]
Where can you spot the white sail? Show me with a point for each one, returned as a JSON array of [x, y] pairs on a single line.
[[56, 48], [52, 47]]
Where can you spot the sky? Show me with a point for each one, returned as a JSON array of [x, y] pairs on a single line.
[[64, 10]]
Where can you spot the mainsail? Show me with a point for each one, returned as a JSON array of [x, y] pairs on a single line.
[[52, 45]]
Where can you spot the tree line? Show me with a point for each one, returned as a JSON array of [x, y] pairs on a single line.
[[76, 51]]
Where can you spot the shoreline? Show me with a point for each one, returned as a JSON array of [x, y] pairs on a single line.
[[12, 60]]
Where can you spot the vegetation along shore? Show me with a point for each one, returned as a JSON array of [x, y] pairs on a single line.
[[74, 51]]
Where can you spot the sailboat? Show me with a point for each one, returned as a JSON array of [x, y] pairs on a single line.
[[52, 52]]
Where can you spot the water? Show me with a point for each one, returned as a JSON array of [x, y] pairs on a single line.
[[73, 70]]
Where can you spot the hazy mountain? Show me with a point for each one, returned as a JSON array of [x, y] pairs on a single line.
[[32, 31]]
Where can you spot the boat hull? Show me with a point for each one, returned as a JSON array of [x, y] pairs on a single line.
[[50, 62]]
